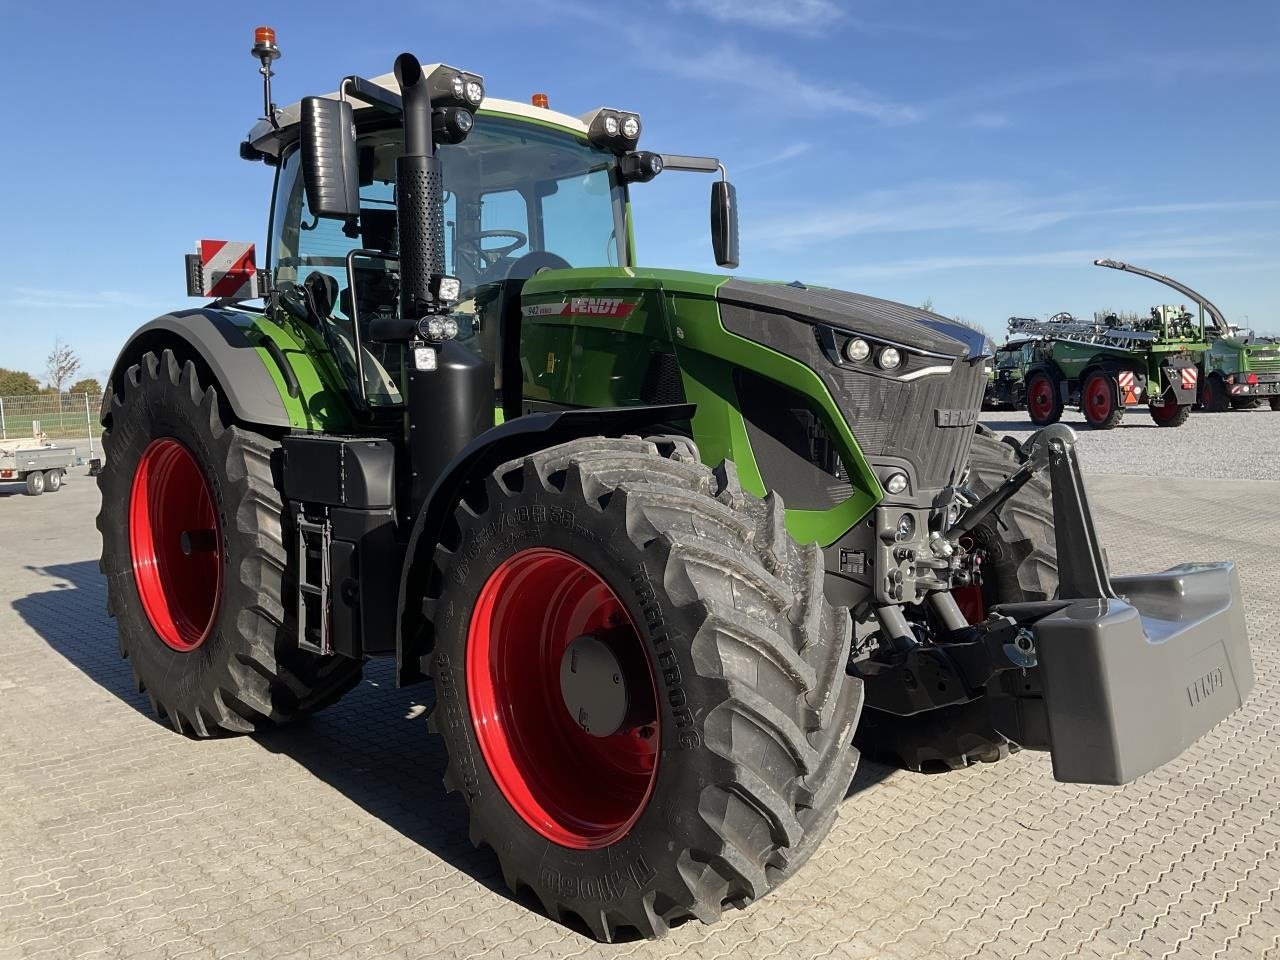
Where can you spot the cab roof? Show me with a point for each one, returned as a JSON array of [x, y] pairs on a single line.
[[269, 140]]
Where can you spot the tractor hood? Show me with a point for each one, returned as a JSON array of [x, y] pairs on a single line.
[[881, 319]]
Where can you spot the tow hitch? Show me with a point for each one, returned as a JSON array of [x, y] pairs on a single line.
[[1114, 677]]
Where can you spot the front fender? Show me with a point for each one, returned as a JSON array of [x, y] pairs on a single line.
[[496, 446], [267, 374]]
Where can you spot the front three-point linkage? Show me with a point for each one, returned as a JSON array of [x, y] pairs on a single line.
[[958, 666]]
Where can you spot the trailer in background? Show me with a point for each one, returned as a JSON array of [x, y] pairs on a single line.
[[40, 464]]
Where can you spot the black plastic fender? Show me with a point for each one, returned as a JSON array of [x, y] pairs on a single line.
[[219, 342], [507, 441]]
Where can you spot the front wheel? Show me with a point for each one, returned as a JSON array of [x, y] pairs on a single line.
[[1044, 401], [193, 534], [640, 685]]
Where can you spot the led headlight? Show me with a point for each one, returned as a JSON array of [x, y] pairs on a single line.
[[889, 358], [906, 526], [451, 124], [435, 329], [611, 129], [857, 350], [451, 87], [896, 483], [450, 328], [640, 166]]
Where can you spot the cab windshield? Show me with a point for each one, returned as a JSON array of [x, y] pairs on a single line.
[[519, 197]]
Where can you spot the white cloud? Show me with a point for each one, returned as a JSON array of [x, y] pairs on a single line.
[[989, 120], [987, 206], [797, 15], [37, 298], [781, 156], [728, 65], [975, 206]]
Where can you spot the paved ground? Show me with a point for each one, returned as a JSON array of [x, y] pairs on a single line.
[[1240, 445], [119, 838]]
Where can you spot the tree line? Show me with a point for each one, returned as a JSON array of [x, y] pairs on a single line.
[[61, 366]]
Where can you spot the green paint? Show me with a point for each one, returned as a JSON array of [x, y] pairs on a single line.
[[602, 361], [322, 403]]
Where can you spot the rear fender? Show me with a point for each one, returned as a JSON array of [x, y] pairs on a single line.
[[507, 441]]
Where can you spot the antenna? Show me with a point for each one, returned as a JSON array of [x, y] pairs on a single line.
[[265, 50]]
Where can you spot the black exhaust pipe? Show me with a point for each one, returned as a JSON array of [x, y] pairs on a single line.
[[419, 194], [449, 396]]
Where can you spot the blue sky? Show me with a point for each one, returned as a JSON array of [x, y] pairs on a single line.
[[979, 155]]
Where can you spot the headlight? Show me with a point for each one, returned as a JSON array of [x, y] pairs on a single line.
[[896, 483], [435, 329], [631, 128], [857, 350], [450, 328], [906, 526], [459, 86], [889, 359], [474, 92], [614, 130], [611, 126]]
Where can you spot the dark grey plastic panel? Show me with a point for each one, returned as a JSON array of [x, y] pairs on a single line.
[[216, 336], [1130, 684]]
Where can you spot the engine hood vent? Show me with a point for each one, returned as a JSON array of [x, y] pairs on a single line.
[[882, 319]]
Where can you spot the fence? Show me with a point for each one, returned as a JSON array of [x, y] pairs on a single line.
[[68, 416]]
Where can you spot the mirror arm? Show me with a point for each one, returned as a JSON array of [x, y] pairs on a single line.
[[375, 96]]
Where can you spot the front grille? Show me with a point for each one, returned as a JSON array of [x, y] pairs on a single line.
[[1266, 363], [888, 417]]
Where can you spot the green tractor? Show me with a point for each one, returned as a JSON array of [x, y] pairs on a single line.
[[1105, 366], [657, 538], [1237, 370], [1007, 379]]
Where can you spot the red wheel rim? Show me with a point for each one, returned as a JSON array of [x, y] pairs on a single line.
[[575, 789], [1040, 399], [1165, 413], [1099, 398], [176, 544]]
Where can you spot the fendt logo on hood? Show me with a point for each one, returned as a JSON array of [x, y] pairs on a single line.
[[582, 307]]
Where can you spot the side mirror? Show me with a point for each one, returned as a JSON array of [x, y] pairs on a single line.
[[724, 223], [330, 166]]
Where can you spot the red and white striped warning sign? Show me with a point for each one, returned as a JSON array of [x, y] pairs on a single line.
[[226, 269], [1128, 391], [1188, 378]]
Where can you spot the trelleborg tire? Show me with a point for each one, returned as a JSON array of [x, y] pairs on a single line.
[[1020, 564], [193, 532], [736, 750]]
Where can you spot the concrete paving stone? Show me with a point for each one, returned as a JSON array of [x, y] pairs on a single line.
[[120, 839]]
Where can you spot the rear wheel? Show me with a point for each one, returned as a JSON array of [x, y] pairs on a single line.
[[1044, 402], [53, 480], [1170, 415], [193, 551], [1214, 397], [1098, 401], [1019, 564], [35, 483], [640, 685]]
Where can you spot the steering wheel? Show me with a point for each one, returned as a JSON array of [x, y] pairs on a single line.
[[494, 254]]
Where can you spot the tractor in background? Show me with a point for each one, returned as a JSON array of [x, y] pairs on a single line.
[[662, 542], [1237, 370]]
